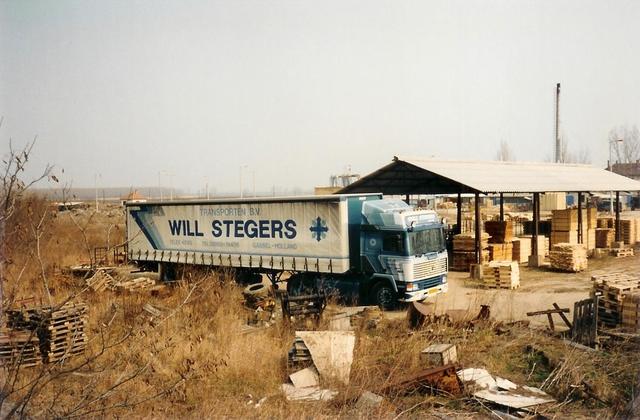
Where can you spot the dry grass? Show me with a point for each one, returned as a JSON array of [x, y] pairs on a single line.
[[193, 361]]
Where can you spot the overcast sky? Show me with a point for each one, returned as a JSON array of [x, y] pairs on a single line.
[[300, 90]]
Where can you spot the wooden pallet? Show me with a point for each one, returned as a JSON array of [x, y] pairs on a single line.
[[622, 252]]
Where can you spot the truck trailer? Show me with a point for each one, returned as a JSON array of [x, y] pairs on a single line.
[[364, 248]]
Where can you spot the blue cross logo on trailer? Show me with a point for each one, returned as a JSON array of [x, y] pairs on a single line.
[[318, 229]]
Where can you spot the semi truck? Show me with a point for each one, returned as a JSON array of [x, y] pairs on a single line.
[[365, 248]]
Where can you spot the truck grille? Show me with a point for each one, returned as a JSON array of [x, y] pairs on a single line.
[[428, 269]]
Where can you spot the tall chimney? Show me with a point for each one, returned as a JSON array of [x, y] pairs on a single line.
[[558, 145]]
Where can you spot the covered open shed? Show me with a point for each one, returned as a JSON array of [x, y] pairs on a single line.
[[407, 176]]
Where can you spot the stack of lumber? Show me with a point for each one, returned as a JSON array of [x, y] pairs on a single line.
[[543, 244], [565, 227], [464, 251], [61, 331], [501, 275], [499, 232], [19, 348], [614, 288], [604, 237], [605, 223], [101, 281], [501, 252], [631, 311], [521, 249], [628, 231], [568, 257]]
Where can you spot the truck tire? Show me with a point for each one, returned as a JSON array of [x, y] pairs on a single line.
[[384, 296], [256, 290]]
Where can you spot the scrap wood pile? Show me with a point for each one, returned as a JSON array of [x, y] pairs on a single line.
[[464, 250], [19, 348], [614, 289], [568, 257], [58, 332], [501, 275], [102, 281]]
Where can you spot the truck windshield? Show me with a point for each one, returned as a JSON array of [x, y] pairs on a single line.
[[426, 241]]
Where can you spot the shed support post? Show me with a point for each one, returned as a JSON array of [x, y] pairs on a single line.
[[502, 207], [536, 218], [618, 233], [459, 215], [478, 229], [580, 221], [406, 198]]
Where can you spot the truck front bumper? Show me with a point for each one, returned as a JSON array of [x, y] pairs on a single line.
[[420, 295]]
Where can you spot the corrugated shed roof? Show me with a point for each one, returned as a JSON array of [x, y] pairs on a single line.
[[428, 176]]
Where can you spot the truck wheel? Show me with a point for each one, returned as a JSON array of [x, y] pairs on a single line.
[[256, 290], [384, 296]]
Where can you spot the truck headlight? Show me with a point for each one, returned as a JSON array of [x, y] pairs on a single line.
[[411, 287]]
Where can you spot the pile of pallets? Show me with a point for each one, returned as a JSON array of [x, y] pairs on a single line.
[[613, 289], [501, 275], [464, 251], [19, 348], [568, 257], [60, 332], [499, 232], [101, 281]]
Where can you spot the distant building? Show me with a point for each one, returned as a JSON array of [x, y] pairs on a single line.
[[133, 197], [630, 170]]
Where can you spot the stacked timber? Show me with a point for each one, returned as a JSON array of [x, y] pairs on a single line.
[[565, 227], [543, 244], [613, 289], [568, 257], [631, 311], [19, 348], [501, 252], [521, 249], [499, 232], [501, 275], [464, 251], [138, 284], [604, 237], [60, 331], [605, 223], [628, 231]]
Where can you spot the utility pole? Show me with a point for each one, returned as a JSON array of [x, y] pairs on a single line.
[[558, 143]]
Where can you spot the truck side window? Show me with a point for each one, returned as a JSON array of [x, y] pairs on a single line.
[[392, 242]]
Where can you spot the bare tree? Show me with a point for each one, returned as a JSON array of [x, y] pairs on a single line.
[[504, 152], [582, 155], [627, 151]]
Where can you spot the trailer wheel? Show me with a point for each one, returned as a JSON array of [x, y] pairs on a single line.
[[256, 290], [384, 296]]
